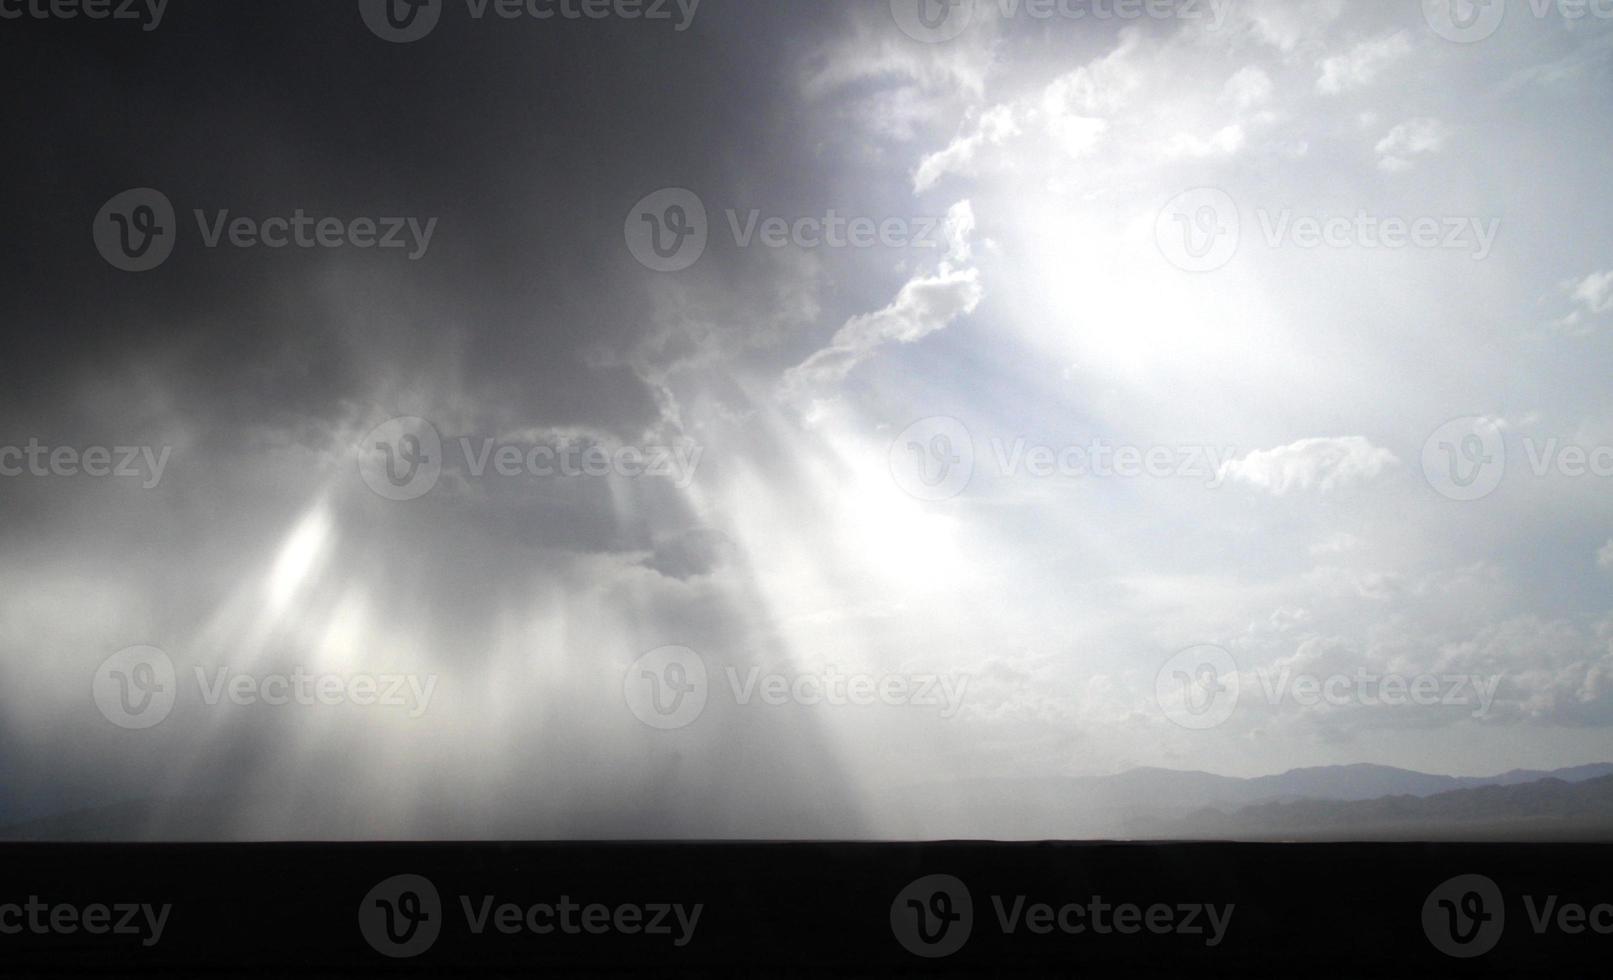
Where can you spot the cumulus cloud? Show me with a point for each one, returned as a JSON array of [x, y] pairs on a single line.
[[1361, 65], [993, 128], [926, 304], [1593, 297], [1289, 24], [1311, 464], [1412, 138], [1250, 88]]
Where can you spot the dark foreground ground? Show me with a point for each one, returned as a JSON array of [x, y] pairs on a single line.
[[963, 909]]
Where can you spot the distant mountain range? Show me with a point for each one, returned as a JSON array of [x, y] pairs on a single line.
[[1360, 802], [1548, 809], [1168, 804]]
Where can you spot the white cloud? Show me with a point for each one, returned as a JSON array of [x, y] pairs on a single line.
[[925, 305], [1250, 88], [1223, 143], [1412, 138], [1594, 296], [993, 128], [1605, 556], [1311, 464], [1362, 64], [1596, 292], [1286, 24], [1338, 544]]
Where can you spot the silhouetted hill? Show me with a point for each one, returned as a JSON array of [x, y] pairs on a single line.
[[1151, 802], [1331, 802], [1547, 809]]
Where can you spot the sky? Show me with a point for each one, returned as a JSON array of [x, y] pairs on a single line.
[[719, 421]]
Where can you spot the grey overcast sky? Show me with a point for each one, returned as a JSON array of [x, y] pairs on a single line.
[[1275, 330]]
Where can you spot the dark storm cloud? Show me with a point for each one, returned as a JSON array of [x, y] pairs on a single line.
[[527, 140]]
